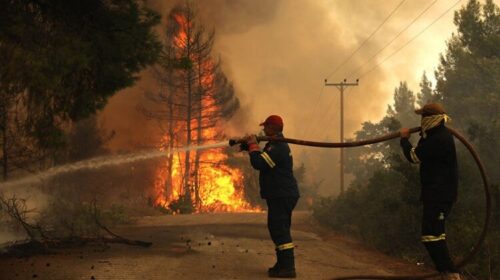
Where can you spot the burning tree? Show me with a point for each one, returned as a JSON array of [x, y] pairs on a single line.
[[193, 100]]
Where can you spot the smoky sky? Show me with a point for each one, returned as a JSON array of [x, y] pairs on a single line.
[[278, 53]]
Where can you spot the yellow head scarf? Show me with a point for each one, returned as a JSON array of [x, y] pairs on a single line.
[[432, 121]]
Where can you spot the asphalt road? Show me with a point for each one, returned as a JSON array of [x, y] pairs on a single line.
[[207, 246]]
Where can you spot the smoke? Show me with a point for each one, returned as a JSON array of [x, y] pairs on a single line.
[[278, 53]]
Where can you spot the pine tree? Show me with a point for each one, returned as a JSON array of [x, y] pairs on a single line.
[[195, 93], [425, 95], [60, 61]]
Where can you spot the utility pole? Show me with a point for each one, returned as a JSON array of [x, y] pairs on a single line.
[[341, 86]]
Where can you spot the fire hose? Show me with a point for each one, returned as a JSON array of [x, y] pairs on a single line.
[[386, 137]]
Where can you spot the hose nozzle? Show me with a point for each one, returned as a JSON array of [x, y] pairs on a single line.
[[233, 142], [237, 141]]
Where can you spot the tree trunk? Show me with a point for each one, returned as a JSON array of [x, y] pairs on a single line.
[[171, 144], [199, 137], [187, 162]]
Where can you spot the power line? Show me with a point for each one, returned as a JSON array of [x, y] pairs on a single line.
[[348, 58], [411, 40], [393, 39], [366, 40], [314, 131]]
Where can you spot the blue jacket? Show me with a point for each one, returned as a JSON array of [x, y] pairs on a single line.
[[275, 164], [438, 164]]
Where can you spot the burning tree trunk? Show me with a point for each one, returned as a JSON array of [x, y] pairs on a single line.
[[188, 43], [201, 98], [205, 85], [189, 95], [171, 143], [199, 141], [162, 109]]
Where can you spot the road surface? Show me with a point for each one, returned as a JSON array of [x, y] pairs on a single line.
[[207, 246]]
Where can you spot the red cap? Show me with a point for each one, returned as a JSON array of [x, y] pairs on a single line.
[[273, 119]]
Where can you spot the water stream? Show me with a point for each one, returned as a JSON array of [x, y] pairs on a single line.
[[98, 162]]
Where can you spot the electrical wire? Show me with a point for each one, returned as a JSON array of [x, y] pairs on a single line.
[[393, 39], [379, 51], [366, 40], [411, 40]]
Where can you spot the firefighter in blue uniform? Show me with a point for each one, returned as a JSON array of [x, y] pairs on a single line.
[[435, 152], [279, 188]]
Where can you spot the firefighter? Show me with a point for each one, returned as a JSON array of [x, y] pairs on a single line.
[[279, 188], [435, 152]]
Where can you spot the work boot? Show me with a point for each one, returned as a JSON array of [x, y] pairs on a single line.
[[285, 267], [282, 272], [276, 266]]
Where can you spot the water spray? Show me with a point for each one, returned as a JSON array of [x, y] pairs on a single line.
[[387, 137], [103, 161]]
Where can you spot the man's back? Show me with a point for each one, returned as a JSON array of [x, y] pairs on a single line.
[[438, 164]]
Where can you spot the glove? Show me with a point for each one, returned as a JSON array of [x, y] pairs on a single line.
[[252, 143], [404, 133], [251, 139], [244, 146]]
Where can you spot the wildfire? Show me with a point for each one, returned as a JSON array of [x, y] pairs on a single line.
[[211, 185], [220, 187]]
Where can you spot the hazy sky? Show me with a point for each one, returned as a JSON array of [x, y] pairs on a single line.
[[278, 53]]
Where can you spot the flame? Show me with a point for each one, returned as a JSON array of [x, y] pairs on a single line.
[[219, 186]]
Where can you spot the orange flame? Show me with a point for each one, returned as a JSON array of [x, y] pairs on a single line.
[[219, 186]]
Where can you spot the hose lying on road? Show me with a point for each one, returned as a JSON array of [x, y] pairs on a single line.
[[389, 136]]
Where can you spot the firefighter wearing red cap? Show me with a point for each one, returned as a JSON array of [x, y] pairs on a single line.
[[435, 152], [279, 188]]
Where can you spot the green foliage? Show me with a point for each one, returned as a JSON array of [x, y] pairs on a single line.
[[72, 55], [84, 140], [426, 95], [468, 78], [308, 191], [60, 61], [362, 210], [364, 161]]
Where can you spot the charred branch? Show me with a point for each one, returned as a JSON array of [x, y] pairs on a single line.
[[40, 240]]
